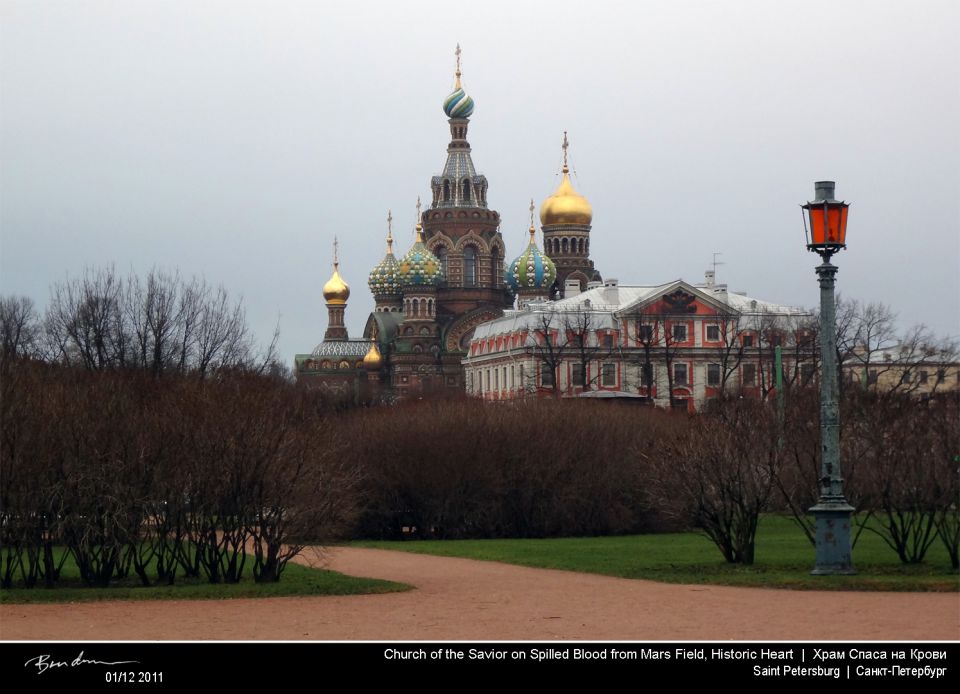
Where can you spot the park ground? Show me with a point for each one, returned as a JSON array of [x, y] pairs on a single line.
[[457, 598]]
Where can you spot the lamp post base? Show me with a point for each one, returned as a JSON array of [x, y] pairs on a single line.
[[833, 554]]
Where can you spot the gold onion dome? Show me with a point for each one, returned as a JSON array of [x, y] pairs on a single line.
[[336, 291], [373, 361], [384, 279], [566, 206]]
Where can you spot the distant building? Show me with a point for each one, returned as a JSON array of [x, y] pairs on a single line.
[[675, 344], [907, 368]]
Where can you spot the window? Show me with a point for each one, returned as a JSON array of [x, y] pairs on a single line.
[[806, 374], [609, 375], [469, 267], [607, 341], [748, 340], [646, 333], [679, 333], [546, 375], [907, 377], [713, 333], [749, 374], [924, 376], [679, 374], [713, 373], [442, 257], [872, 377], [576, 375], [496, 379], [505, 378], [941, 375], [466, 189], [776, 340], [446, 189]]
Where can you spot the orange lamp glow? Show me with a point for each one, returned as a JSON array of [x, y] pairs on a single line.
[[827, 229]]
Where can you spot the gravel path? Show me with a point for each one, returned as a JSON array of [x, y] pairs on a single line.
[[472, 600]]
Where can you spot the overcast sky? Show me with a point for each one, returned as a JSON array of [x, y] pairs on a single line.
[[233, 140]]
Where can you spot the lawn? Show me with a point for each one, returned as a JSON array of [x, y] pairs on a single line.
[[296, 580], [784, 558]]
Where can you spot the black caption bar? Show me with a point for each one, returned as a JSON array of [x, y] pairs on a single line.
[[164, 665]]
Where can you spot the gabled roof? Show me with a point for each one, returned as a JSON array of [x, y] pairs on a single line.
[[610, 304]]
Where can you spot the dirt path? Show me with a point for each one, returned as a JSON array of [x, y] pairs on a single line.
[[467, 599]]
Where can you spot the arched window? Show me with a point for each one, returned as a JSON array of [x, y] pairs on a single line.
[[466, 189], [580, 245], [442, 257], [416, 308], [446, 190], [495, 266], [565, 245], [469, 267]]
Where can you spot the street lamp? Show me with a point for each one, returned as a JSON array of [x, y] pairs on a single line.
[[826, 234]]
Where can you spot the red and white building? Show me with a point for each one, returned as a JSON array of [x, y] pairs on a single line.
[[675, 344]]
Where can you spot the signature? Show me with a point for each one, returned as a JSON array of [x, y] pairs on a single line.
[[43, 662]]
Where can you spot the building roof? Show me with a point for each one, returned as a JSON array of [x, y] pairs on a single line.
[[356, 347], [608, 303]]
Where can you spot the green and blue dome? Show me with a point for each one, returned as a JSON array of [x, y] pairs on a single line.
[[532, 269], [458, 104], [419, 266], [384, 279]]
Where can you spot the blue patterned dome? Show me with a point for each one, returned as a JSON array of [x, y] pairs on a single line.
[[419, 266], [458, 104], [532, 269], [384, 279]]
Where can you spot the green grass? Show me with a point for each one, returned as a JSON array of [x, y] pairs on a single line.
[[296, 580], [784, 558]]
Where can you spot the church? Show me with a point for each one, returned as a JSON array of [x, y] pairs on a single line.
[[430, 300]]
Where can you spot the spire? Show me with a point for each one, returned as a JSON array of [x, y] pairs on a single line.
[[565, 146], [533, 230], [419, 227], [389, 232], [457, 53]]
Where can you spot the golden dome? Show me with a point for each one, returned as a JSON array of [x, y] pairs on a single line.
[[566, 206], [373, 361], [336, 291]]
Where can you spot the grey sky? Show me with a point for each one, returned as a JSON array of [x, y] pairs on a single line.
[[233, 140]]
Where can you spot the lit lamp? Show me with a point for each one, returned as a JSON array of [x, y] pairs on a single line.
[[825, 227]]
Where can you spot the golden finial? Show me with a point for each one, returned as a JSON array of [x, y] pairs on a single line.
[[533, 230], [336, 291], [336, 252], [457, 53], [389, 231], [566, 144], [419, 226]]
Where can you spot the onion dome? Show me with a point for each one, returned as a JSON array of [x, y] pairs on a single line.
[[566, 206], [458, 104], [419, 266], [384, 278], [336, 291], [532, 269], [373, 361]]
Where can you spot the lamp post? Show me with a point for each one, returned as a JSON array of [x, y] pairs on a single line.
[[826, 235]]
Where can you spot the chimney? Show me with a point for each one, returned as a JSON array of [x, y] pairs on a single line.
[[571, 288], [611, 292], [710, 276]]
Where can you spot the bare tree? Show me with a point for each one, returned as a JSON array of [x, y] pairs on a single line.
[[19, 328]]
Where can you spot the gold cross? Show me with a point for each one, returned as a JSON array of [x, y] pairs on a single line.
[[566, 144]]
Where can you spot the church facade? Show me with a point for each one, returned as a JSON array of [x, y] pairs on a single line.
[[430, 300]]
